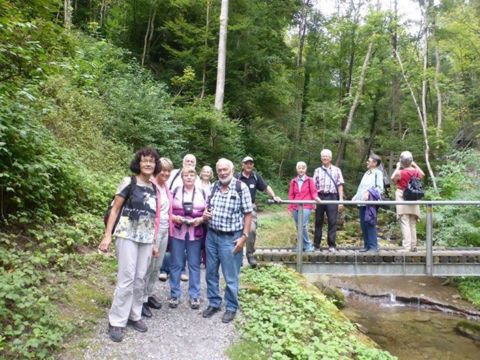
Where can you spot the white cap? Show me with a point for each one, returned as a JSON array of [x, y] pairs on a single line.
[[247, 158]]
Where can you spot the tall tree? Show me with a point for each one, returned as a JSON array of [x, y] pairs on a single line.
[[222, 57]]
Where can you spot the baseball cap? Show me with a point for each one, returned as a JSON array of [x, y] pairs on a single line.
[[247, 158]]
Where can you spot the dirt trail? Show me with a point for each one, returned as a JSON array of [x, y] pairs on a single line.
[[173, 334]]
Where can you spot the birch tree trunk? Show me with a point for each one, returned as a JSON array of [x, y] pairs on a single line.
[[67, 14], [423, 123], [395, 92], [222, 57], [353, 108], [437, 90]]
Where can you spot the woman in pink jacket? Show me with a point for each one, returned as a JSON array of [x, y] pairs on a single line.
[[302, 187]]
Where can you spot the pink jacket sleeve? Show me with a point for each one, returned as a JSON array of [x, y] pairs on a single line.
[[291, 195]]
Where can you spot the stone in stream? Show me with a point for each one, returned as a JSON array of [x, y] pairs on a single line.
[[469, 329]]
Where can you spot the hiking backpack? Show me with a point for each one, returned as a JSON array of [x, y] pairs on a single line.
[[414, 190], [133, 183], [216, 185]]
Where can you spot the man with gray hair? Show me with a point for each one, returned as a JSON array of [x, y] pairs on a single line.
[[229, 212], [329, 183]]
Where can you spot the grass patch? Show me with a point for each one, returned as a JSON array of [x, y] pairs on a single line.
[[277, 229], [469, 288], [286, 318], [88, 295], [245, 350]]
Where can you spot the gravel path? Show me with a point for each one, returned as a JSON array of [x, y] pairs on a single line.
[[180, 333]]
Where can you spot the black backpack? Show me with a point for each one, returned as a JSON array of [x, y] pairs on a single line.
[[414, 190], [133, 183]]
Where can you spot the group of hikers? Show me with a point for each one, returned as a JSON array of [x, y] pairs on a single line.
[[163, 210]]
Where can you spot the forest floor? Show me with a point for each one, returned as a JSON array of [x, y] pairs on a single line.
[[173, 334]]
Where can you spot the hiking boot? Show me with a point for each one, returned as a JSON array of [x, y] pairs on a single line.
[[184, 277], [163, 276], [115, 333], [173, 302], [194, 304], [252, 260], [154, 303], [138, 325], [228, 316], [210, 311], [146, 311]]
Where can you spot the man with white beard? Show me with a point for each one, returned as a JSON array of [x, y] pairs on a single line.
[[229, 212]]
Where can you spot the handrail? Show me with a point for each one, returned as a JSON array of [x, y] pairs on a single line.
[[380, 202], [429, 223]]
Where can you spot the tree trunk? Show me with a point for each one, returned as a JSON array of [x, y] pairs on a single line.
[[148, 35], [222, 57], [353, 108], [437, 74], [207, 30], [67, 14], [395, 94], [422, 122], [439, 94], [302, 30], [103, 9]]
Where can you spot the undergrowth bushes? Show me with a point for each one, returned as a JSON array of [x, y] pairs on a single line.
[[458, 179], [286, 320]]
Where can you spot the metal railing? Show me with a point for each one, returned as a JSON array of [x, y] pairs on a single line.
[[429, 220]]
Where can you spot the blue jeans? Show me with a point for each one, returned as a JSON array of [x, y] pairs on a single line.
[[369, 231], [178, 249], [165, 268], [219, 248], [307, 245]]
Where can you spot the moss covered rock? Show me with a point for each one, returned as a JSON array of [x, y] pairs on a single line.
[[469, 329]]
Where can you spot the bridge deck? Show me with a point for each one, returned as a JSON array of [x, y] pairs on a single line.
[[348, 261]]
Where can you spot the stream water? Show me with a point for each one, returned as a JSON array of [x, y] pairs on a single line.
[[409, 331]]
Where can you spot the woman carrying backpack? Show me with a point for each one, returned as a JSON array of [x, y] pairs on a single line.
[[370, 188], [135, 206], [408, 215]]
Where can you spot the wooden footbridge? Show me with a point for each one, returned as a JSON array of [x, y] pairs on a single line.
[[429, 261]]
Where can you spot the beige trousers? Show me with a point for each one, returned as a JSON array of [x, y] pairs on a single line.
[[151, 276], [133, 260], [408, 226]]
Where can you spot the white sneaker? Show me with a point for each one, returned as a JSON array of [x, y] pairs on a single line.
[[184, 277], [332, 249], [163, 276]]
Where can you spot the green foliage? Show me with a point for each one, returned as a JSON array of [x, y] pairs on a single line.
[[142, 115], [78, 120], [288, 321], [39, 178], [31, 269], [469, 287], [458, 180], [209, 134]]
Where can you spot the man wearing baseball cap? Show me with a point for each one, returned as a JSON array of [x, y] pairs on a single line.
[[254, 182]]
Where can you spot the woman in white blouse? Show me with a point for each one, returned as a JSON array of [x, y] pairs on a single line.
[[372, 180]]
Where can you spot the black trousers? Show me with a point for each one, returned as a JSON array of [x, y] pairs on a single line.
[[332, 213]]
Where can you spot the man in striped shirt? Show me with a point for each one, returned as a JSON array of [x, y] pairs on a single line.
[[329, 183]]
